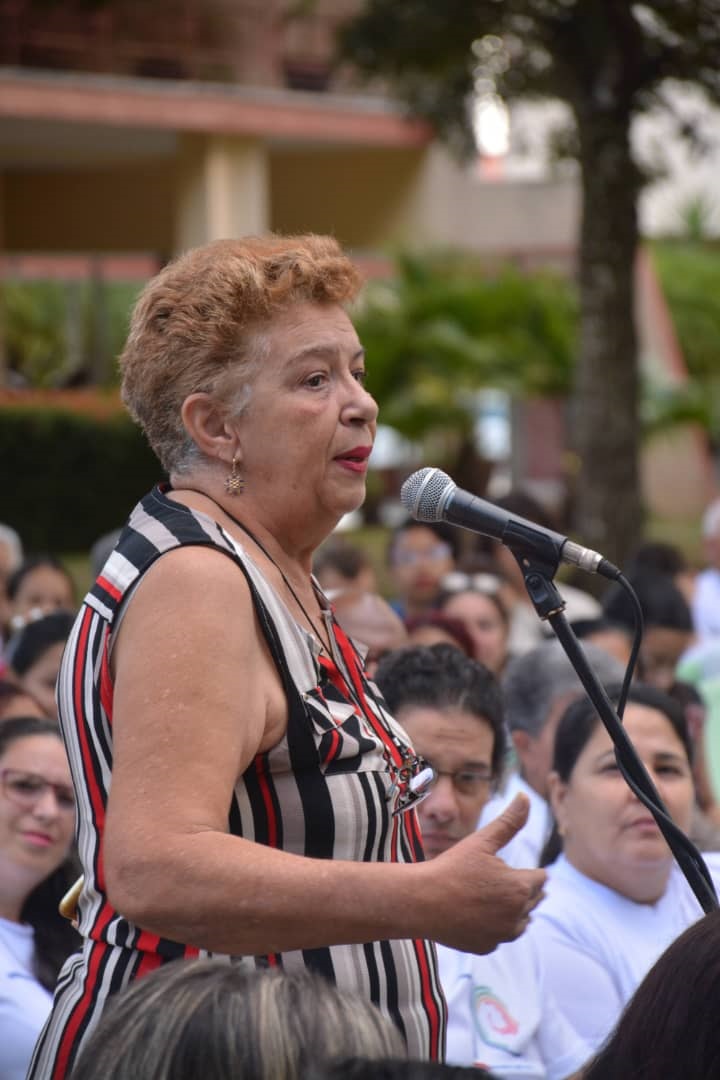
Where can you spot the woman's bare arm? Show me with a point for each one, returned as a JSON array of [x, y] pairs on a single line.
[[196, 697]]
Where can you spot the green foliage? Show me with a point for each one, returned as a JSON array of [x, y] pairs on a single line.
[[67, 477], [446, 327], [58, 331]]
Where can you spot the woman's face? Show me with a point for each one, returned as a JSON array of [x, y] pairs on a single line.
[[44, 590], [37, 810], [39, 679], [607, 832], [309, 426], [484, 623]]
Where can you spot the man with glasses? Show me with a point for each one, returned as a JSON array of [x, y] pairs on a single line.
[[500, 1014], [420, 555]]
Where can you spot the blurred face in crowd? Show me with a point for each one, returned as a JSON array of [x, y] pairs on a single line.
[[607, 832], [37, 811], [459, 746], [535, 752], [420, 560], [484, 622], [40, 678], [41, 591], [660, 652]]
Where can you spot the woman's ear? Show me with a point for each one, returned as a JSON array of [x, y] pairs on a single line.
[[209, 427], [557, 797]]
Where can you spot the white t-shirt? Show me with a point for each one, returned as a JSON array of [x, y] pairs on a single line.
[[525, 848], [24, 1003], [706, 604], [502, 1015], [597, 945]]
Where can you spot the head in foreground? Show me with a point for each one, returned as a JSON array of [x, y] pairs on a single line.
[[211, 1020]]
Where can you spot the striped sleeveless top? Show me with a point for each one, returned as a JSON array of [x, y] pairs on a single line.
[[325, 791]]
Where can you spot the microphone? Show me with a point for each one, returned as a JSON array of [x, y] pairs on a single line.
[[430, 495]]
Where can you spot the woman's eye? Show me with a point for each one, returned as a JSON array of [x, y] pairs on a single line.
[[315, 381], [360, 376]]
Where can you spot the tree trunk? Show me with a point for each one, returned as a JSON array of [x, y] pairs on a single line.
[[608, 513]]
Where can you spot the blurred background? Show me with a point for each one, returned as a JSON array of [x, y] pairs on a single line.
[[530, 189]]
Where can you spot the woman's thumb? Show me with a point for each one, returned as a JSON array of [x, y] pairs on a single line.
[[501, 830]]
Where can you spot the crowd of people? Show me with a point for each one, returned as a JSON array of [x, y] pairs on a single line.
[[260, 817]]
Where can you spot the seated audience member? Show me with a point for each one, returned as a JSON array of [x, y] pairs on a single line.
[[339, 564], [706, 596], [34, 655], [11, 557], [500, 1012], [435, 628], [537, 687], [420, 555], [220, 1021], [16, 702], [475, 601], [615, 897], [40, 585], [668, 628], [668, 1029], [37, 819], [371, 623], [662, 558]]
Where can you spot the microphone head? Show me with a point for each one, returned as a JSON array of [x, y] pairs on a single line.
[[425, 493]]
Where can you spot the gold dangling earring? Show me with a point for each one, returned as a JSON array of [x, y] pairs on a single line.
[[234, 483]]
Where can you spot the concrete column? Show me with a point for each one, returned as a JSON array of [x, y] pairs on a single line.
[[223, 189]]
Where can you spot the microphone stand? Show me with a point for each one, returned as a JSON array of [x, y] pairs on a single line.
[[539, 558]]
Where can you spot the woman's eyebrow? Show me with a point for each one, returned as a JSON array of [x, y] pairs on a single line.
[[320, 350]]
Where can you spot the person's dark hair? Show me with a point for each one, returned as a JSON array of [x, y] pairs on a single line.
[[218, 1021], [656, 556], [54, 936], [446, 595], [444, 532], [32, 642], [440, 677], [668, 1028], [580, 720], [30, 564], [348, 559], [454, 627], [396, 1069], [585, 628], [662, 603]]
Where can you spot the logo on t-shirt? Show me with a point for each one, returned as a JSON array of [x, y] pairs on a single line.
[[495, 1024]]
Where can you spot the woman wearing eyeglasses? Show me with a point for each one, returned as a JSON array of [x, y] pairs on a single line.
[[37, 820]]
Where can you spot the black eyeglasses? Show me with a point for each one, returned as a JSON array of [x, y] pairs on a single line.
[[26, 789], [468, 781]]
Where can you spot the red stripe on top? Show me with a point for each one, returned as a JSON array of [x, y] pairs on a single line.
[[106, 682], [109, 588], [262, 776], [98, 809], [84, 1005], [429, 1000]]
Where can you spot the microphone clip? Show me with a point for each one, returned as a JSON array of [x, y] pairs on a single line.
[[538, 577]]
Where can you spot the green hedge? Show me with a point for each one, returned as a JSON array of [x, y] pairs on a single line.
[[66, 478]]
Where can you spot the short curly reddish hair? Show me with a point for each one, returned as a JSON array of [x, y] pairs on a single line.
[[202, 318]]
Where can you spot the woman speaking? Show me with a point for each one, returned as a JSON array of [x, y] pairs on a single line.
[[241, 789]]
